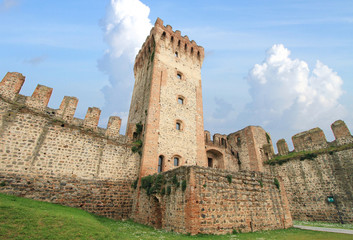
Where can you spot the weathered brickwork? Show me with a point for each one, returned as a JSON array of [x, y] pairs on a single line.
[[320, 175], [103, 197], [43, 150], [216, 201], [168, 93], [309, 184]]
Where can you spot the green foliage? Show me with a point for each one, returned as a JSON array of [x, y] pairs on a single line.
[[276, 182], [139, 128], [137, 147], [183, 185], [152, 183], [163, 191], [229, 178], [169, 190], [3, 184], [268, 138], [134, 184], [309, 155], [261, 183], [175, 181], [234, 231], [205, 185]]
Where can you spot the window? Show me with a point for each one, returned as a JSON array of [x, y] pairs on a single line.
[[179, 75], [178, 126], [176, 54], [176, 161], [181, 100], [160, 164], [163, 35]]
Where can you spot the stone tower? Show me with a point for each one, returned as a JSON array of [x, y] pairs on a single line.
[[167, 102]]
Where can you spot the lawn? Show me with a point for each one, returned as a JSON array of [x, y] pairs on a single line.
[[325, 225], [22, 218]]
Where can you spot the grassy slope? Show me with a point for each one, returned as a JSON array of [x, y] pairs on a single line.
[[27, 219]]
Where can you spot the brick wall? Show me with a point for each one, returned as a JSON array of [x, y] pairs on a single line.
[[212, 205]]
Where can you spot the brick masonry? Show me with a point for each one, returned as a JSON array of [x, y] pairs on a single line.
[[211, 204], [48, 154]]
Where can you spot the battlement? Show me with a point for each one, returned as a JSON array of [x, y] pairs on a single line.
[[11, 85], [315, 139], [219, 140], [180, 46]]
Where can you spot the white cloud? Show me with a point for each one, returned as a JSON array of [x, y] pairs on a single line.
[[287, 97], [7, 4], [36, 60], [126, 27]]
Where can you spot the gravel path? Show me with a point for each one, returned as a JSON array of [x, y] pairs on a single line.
[[322, 229]]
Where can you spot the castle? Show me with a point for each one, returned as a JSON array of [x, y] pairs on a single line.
[[166, 171]]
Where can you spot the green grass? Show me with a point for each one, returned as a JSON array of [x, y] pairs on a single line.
[[324, 224], [309, 155], [28, 219]]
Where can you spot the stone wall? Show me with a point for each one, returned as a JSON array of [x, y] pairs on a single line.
[[48, 154], [318, 175], [215, 202], [310, 182]]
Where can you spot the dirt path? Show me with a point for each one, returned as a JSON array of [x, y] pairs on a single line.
[[322, 229]]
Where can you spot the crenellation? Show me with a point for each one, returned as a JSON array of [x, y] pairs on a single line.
[[113, 127], [11, 85], [341, 132], [40, 97], [92, 118], [309, 140], [67, 108], [282, 147]]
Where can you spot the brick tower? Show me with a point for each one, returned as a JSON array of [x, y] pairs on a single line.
[[167, 102]]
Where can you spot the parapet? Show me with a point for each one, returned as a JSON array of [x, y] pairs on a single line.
[[178, 44], [309, 140], [11, 85], [282, 147], [40, 97], [341, 132]]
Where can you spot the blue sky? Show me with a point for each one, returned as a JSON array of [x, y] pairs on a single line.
[[284, 65]]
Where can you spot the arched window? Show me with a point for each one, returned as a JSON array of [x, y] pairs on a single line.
[[181, 100], [163, 35], [176, 54], [176, 161], [160, 163], [179, 76], [178, 126]]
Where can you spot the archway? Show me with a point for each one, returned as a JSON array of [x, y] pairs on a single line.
[[215, 159]]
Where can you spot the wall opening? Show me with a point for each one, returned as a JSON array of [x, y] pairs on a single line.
[[156, 213], [160, 163], [210, 162], [215, 159]]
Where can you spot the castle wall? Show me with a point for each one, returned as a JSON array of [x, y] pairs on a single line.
[[213, 205], [253, 145], [48, 155], [319, 182], [309, 183]]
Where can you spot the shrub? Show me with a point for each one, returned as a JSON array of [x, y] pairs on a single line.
[[229, 178], [134, 184], [183, 185], [261, 183], [139, 128], [175, 181], [276, 182], [234, 231], [169, 190]]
